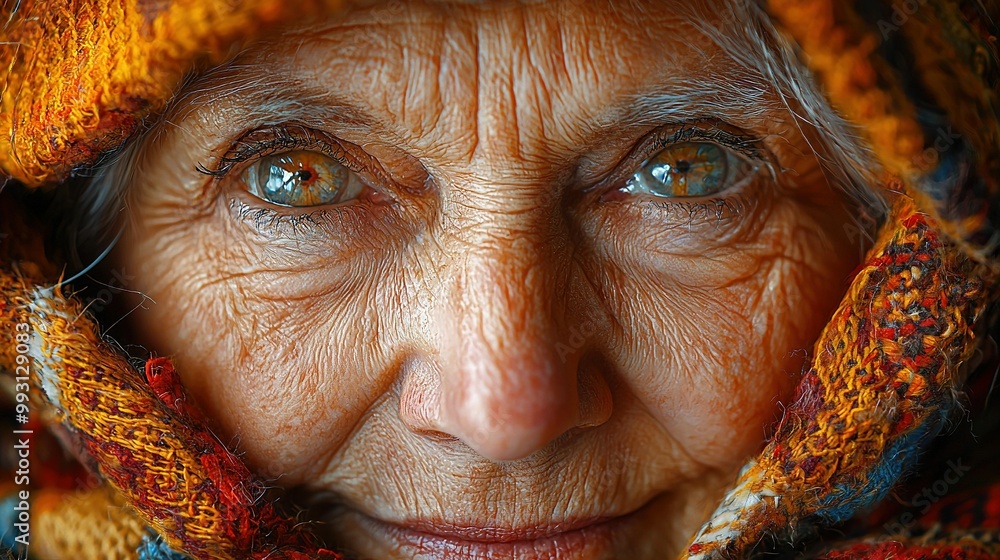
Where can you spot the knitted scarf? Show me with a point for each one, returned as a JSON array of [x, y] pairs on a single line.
[[887, 372]]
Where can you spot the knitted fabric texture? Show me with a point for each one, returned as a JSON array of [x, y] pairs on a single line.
[[82, 74], [93, 523], [886, 370], [948, 152], [170, 468], [881, 385]]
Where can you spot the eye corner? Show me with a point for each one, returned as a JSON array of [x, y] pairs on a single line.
[[218, 172]]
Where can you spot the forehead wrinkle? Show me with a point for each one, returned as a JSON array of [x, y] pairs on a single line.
[[708, 84], [562, 75], [719, 85], [392, 70], [717, 88]]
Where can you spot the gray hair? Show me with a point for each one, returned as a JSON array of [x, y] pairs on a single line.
[[847, 159], [91, 218]]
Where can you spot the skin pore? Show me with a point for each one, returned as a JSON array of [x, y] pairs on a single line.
[[500, 346]]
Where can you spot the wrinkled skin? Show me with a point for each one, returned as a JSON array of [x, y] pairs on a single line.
[[497, 338]]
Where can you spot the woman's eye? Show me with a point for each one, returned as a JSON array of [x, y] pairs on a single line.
[[301, 178], [689, 169]]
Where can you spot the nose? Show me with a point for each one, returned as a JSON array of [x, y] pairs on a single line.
[[508, 377]]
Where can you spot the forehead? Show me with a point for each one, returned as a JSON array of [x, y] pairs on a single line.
[[545, 75]]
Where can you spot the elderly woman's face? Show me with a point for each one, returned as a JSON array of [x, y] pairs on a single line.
[[505, 281]]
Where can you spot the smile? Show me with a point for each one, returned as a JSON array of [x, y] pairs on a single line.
[[577, 539]]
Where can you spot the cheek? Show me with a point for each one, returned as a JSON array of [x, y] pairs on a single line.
[[714, 343], [262, 365]]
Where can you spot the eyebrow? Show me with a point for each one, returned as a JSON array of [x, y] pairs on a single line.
[[740, 99], [277, 98], [748, 85]]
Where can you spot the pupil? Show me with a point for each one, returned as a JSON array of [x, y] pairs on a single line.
[[683, 166], [304, 175]]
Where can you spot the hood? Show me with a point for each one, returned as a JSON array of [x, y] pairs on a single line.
[[81, 78]]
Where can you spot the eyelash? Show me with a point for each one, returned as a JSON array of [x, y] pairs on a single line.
[[273, 221], [278, 140], [687, 132], [718, 208]]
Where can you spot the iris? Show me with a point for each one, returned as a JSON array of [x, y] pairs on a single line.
[[689, 169], [301, 178]]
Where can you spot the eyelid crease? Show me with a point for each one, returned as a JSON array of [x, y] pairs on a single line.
[[276, 140], [688, 131], [670, 134]]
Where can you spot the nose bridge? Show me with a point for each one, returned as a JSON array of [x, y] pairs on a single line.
[[505, 389], [504, 286], [510, 257]]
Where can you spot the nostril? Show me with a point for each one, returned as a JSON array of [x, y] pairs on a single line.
[[596, 401], [438, 436], [509, 413], [420, 399]]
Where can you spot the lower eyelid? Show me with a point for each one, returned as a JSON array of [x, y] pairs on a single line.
[[730, 207], [278, 223], [689, 214], [319, 224]]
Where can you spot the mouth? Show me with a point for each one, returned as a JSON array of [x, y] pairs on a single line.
[[576, 539]]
